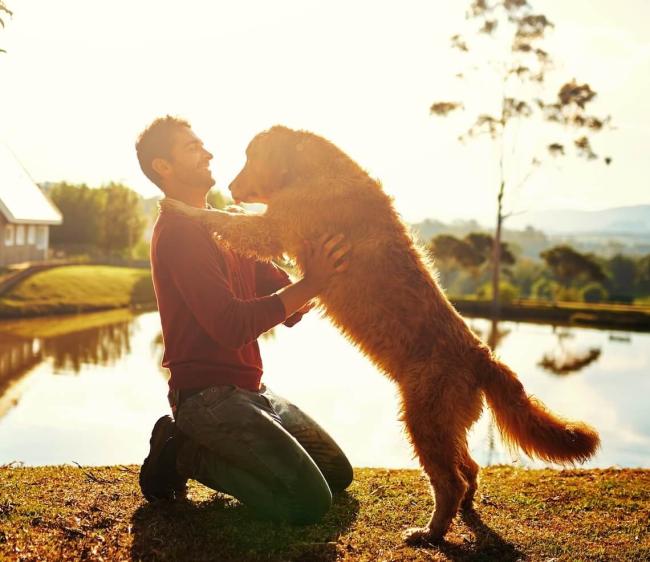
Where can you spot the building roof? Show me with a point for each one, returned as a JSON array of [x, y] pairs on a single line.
[[21, 200]]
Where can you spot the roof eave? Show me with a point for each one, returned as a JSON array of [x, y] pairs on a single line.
[[13, 220], [52, 222]]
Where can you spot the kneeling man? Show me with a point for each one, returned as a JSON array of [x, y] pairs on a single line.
[[229, 431]]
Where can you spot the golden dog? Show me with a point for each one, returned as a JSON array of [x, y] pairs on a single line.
[[389, 304]]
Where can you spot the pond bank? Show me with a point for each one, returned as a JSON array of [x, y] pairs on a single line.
[[71, 513], [597, 315], [87, 288], [78, 288]]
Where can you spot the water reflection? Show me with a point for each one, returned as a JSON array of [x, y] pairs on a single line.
[[89, 388], [81, 388], [68, 343], [491, 336], [102, 345], [565, 359], [17, 357]]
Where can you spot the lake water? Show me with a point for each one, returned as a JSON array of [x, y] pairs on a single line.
[[88, 389]]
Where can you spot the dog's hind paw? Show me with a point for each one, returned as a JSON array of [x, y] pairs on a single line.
[[421, 536]]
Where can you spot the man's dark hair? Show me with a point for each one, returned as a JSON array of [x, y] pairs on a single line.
[[156, 141]]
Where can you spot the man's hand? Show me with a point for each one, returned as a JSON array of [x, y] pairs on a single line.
[[325, 259], [322, 261]]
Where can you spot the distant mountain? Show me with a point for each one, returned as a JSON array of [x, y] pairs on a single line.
[[621, 220], [605, 233]]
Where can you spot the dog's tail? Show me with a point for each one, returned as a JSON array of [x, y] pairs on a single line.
[[524, 421]]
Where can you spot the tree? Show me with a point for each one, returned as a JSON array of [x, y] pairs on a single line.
[[109, 218], [449, 249], [122, 221], [643, 276], [623, 273], [571, 267], [470, 254], [520, 70], [81, 208], [4, 10]]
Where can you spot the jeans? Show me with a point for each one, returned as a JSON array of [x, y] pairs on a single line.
[[263, 450]]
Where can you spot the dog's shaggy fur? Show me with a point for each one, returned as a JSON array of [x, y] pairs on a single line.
[[389, 304]]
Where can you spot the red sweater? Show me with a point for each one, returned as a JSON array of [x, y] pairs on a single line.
[[213, 305]]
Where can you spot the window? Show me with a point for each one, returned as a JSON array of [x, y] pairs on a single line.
[[20, 235], [41, 238], [31, 234], [9, 235]]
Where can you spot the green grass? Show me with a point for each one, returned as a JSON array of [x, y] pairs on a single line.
[[69, 513], [78, 288]]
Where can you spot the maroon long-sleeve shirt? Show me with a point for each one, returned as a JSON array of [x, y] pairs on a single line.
[[213, 305]]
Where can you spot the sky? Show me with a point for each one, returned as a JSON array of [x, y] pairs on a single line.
[[81, 78]]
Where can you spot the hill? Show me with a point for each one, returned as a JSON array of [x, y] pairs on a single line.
[[622, 230], [619, 220]]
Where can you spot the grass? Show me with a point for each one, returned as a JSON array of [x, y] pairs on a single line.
[[70, 513], [78, 288]]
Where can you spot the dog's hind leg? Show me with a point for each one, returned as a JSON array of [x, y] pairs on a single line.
[[441, 461], [469, 468]]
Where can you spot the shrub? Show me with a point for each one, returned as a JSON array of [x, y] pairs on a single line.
[[593, 292], [544, 289], [507, 292]]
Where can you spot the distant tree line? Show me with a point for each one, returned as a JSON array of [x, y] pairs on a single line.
[[107, 221], [561, 273]]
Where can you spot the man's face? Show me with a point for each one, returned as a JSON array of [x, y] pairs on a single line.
[[190, 161]]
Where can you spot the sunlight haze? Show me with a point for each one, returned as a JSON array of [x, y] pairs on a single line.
[[80, 79]]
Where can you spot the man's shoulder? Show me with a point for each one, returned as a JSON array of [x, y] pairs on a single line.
[[170, 225], [173, 234]]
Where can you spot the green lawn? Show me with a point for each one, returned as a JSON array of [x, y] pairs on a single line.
[[78, 288], [69, 513]]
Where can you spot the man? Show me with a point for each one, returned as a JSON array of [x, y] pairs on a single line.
[[229, 431]]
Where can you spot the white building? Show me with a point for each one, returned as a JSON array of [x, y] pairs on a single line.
[[26, 214]]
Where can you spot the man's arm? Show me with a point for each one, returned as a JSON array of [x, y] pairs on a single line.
[[257, 236], [321, 261], [269, 278], [189, 258], [191, 261]]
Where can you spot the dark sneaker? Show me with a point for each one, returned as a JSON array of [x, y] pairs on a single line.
[[159, 479]]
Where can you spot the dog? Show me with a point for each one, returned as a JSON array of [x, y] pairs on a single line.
[[389, 304]]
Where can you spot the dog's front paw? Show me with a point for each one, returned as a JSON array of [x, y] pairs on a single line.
[[421, 536]]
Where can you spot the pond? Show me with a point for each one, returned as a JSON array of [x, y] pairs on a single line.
[[88, 388]]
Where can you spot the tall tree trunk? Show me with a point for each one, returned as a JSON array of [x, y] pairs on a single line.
[[496, 255]]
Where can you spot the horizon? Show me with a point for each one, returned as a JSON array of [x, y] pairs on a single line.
[[75, 97]]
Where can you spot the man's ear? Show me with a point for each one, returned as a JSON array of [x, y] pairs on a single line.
[[162, 167]]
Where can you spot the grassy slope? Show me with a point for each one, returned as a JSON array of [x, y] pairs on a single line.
[[67, 513], [78, 288]]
